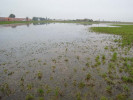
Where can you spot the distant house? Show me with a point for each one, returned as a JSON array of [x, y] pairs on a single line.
[[14, 19]]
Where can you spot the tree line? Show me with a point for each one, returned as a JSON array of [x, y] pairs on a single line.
[[39, 19]]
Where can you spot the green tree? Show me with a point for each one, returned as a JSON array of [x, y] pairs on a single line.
[[27, 18], [35, 18], [12, 16]]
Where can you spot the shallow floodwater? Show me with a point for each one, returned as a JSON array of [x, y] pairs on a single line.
[[58, 61]]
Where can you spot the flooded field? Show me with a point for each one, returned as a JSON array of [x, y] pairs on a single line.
[[63, 62]]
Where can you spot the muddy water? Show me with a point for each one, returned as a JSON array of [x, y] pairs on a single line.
[[56, 59]]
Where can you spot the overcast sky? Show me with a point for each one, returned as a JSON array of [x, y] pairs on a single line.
[[117, 10]]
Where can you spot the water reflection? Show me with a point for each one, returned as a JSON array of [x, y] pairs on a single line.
[[15, 25], [37, 23], [84, 24], [61, 54], [41, 23]]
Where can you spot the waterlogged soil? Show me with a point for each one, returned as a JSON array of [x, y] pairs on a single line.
[[62, 62]]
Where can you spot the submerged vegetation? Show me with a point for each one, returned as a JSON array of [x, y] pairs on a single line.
[[84, 69], [29, 97]]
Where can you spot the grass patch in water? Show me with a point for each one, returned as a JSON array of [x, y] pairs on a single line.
[[39, 74], [103, 57], [41, 98], [81, 85], [125, 88], [121, 96], [88, 76], [114, 57], [126, 31], [29, 97], [78, 96], [103, 98], [127, 79], [87, 64], [104, 75], [106, 48], [40, 91], [109, 89]]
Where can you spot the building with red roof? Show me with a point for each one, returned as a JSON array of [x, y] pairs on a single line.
[[14, 19]]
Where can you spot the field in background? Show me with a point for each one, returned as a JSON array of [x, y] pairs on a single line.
[[54, 21]]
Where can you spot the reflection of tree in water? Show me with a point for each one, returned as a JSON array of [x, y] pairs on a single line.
[[14, 26], [41, 23], [28, 25], [83, 24], [87, 24]]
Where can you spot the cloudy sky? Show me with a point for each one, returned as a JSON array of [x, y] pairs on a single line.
[[117, 10]]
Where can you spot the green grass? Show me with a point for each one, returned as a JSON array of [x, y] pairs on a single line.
[[126, 31], [23, 22], [121, 97], [81, 85], [103, 57], [104, 75], [47, 21], [57, 91], [39, 74], [40, 91], [106, 48], [88, 76], [15, 22], [111, 66], [29, 97], [114, 57], [87, 64], [78, 96], [29, 86], [127, 79], [41, 98], [103, 98], [126, 88], [109, 89], [97, 58]]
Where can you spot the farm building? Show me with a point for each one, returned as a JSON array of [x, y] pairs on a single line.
[[14, 19]]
